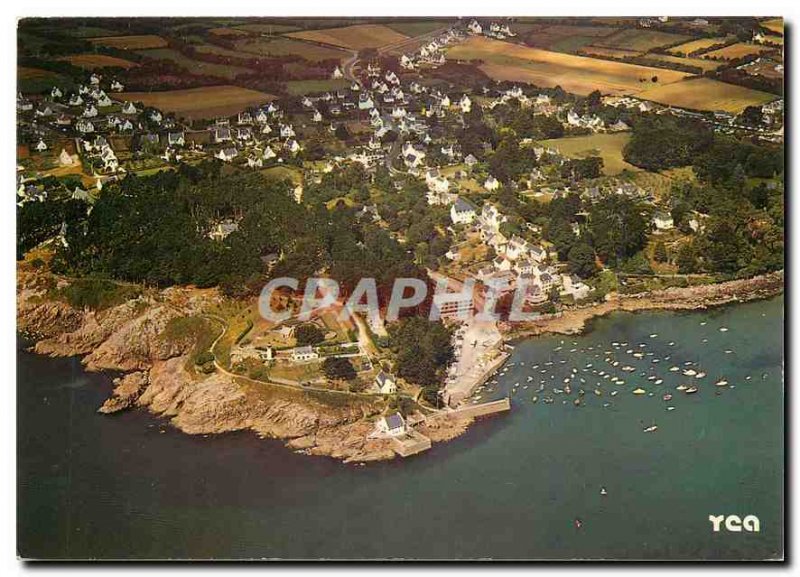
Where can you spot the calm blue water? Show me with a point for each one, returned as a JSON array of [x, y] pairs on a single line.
[[129, 486]]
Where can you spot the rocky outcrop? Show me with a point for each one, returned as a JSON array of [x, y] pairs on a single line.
[[127, 391]]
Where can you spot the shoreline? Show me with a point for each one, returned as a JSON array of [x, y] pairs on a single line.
[[125, 340], [577, 320]]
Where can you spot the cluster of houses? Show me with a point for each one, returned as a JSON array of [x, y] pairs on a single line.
[[493, 30], [431, 54]]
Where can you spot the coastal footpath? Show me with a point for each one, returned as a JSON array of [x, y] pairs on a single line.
[[159, 375]]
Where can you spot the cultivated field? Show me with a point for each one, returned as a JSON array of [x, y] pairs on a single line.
[[288, 46], [640, 39], [92, 61], [607, 146], [577, 74], [353, 37], [706, 65], [562, 38], [140, 42], [224, 31], [201, 103], [774, 25], [735, 51], [699, 45], [194, 66], [706, 94]]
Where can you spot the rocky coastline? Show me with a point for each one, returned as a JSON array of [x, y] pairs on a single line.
[[157, 375]]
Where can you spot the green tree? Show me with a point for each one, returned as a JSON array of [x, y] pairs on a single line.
[[338, 368], [582, 260], [308, 334]]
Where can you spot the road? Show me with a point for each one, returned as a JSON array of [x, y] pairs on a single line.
[[278, 382]]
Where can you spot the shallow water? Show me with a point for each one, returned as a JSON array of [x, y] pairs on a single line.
[[129, 486]]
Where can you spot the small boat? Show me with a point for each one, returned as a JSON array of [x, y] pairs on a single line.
[[651, 429], [670, 408], [682, 387], [691, 390], [639, 391], [723, 329], [667, 397], [700, 375], [721, 383], [654, 335], [603, 491], [578, 523], [659, 381], [690, 372], [614, 393], [674, 369], [598, 392], [628, 368], [535, 399]]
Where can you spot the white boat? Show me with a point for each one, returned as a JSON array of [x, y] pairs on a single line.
[[603, 491], [670, 408], [690, 372], [700, 375], [639, 391], [723, 329], [674, 369], [659, 381], [654, 335], [691, 390], [651, 429], [721, 383]]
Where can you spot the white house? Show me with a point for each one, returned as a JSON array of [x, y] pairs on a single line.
[[386, 383], [302, 354], [75, 100], [491, 183], [465, 103], [128, 108], [337, 73], [663, 220], [462, 212], [392, 426], [573, 285], [117, 86], [227, 154], [41, 146], [65, 159]]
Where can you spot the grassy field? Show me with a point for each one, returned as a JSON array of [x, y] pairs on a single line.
[[353, 37], [193, 66], [706, 94], [417, 27], [699, 45], [609, 52], [774, 25], [205, 102], [283, 173], [706, 65], [298, 87], [225, 31], [607, 146], [735, 51], [288, 46], [267, 28], [140, 42], [577, 74], [640, 39], [31, 80], [93, 61]]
